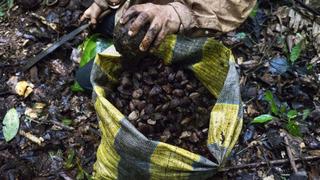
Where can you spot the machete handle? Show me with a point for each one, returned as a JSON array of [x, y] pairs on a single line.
[[104, 14]]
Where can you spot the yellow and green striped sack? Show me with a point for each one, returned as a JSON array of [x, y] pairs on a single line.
[[125, 153]]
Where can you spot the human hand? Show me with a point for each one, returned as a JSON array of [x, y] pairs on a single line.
[[163, 20], [92, 13]]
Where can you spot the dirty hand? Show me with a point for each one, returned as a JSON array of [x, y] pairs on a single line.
[[163, 20], [92, 13]]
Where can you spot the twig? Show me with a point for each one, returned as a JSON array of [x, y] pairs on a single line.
[[291, 158], [4, 146], [273, 162], [32, 137], [265, 53], [265, 158], [9, 65], [62, 125], [308, 7]]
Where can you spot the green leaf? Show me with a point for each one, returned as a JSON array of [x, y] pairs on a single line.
[[88, 176], [292, 114], [5, 6], [82, 174], [305, 114], [90, 47], [283, 108], [76, 87], [10, 3], [67, 121], [11, 124], [262, 119], [310, 67], [93, 45], [268, 96], [295, 52], [293, 128], [1, 12], [69, 163], [254, 11]]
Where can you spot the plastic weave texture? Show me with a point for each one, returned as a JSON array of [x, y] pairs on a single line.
[[125, 153]]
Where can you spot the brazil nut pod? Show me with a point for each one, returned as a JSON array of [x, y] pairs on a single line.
[[128, 46]]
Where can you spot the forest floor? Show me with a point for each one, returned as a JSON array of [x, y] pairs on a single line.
[[277, 52]]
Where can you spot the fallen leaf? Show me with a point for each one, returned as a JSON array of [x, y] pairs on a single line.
[[67, 121], [92, 45], [295, 53], [262, 119], [292, 114], [268, 96], [76, 87], [294, 128], [11, 124], [69, 163], [278, 65], [316, 36]]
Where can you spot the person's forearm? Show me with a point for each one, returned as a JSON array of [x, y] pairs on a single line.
[[221, 15]]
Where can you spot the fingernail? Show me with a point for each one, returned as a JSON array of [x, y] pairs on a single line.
[[121, 21], [130, 33]]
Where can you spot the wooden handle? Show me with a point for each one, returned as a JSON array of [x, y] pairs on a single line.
[[104, 14]]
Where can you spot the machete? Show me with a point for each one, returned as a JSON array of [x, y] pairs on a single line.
[[32, 61]]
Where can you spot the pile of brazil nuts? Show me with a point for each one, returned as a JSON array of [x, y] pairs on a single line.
[[165, 103]]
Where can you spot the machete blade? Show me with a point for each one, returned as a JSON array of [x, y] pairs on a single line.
[[32, 61]]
